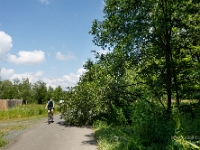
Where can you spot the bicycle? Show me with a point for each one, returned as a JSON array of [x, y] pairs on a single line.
[[50, 117]]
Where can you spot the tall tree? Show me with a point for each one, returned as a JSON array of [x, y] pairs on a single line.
[[15, 86], [40, 92], [7, 90], [147, 30], [26, 92], [58, 94]]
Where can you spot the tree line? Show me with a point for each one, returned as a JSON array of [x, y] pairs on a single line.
[[37, 92]]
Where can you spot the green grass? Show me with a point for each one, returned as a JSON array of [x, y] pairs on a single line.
[[3, 142], [112, 137], [23, 111]]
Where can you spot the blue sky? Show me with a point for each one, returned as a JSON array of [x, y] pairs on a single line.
[[47, 40]]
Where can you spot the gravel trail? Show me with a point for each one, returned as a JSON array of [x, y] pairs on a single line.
[[54, 136]]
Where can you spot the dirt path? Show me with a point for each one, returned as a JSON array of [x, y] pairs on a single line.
[[55, 136]]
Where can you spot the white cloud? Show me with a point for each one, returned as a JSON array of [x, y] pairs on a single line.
[[27, 57], [6, 73], [9, 74], [46, 2], [5, 44], [68, 80], [81, 71], [63, 57], [32, 76], [71, 78], [39, 73], [103, 51]]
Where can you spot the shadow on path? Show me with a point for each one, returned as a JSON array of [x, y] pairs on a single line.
[[91, 140]]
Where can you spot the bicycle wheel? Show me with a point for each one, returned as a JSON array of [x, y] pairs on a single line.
[[49, 117]]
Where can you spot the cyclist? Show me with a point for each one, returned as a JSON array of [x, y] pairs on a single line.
[[50, 105]]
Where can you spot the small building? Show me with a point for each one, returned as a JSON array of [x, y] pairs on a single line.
[[9, 103]]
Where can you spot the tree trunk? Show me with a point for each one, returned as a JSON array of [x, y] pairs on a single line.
[[169, 77], [176, 89]]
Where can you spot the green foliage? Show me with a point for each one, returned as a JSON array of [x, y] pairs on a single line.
[[58, 94], [6, 89], [3, 142], [187, 127], [151, 129], [79, 107], [37, 93], [117, 116], [152, 126], [181, 143], [158, 39], [40, 92]]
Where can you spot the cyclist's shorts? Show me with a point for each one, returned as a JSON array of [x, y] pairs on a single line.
[[50, 108]]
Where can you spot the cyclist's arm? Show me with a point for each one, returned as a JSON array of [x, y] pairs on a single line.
[[47, 104]]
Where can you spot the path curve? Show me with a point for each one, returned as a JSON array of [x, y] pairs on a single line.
[[55, 136]]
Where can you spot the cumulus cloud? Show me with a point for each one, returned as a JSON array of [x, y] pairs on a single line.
[[27, 57], [5, 44], [6, 73], [32, 76], [81, 71], [9, 74], [46, 2], [72, 78], [68, 80], [63, 57]]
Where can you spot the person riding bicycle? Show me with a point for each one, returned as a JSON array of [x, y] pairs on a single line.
[[50, 105]]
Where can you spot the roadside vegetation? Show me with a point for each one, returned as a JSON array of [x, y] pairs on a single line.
[[179, 131]]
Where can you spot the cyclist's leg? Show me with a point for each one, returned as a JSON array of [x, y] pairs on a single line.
[[49, 110], [52, 111]]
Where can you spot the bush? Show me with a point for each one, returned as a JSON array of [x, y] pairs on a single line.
[[153, 128]]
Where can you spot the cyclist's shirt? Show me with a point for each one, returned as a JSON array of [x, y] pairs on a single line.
[[50, 104]]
